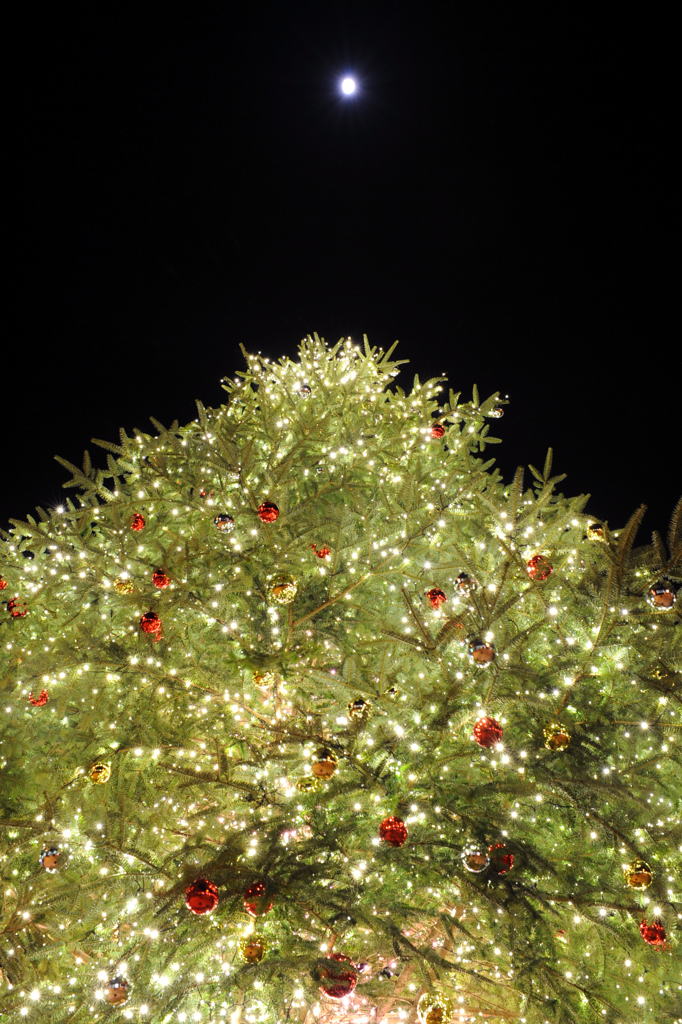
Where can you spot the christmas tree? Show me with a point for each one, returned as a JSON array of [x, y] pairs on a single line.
[[308, 715]]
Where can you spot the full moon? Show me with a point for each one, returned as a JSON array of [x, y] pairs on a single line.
[[348, 86]]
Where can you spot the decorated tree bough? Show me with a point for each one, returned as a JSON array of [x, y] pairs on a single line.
[[310, 716]]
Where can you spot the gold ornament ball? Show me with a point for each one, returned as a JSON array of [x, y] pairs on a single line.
[[116, 991], [100, 773], [639, 875], [50, 858], [308, 784], [482, 653], [475, 858], [282, 589], [435, 1008], [662, 597], [325, 764], [252, 948], [359, 709], [123, 585], [557, 736], [595, 531], [466, 584], [266, 678]]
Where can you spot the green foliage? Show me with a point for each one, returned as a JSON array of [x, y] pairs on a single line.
[[209, 728]]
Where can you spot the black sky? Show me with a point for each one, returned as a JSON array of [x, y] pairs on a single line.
[[499, 198]]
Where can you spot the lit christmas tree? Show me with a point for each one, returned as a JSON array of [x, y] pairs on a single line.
[[309, 716]]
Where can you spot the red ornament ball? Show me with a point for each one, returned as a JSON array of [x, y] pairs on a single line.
[[654, 934], [436, 596], [16, 609], [38, 701], [438, 431], [487, 732], [393, 831], [268, 512], [255, 900], [336, 975], [151, 623], [137, 521], [538, 568], [322, 552], [201, 897], [160, 580], [501, 859], [3, 583]]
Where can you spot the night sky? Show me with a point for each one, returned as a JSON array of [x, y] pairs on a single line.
[[497, 196]]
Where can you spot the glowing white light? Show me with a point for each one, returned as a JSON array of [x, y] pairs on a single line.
[[348, 86]]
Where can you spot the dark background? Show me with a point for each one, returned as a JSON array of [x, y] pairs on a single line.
[[498, 197]]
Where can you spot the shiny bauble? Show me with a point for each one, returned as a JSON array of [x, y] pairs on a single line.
[[435, 1008], [151, 623], [252, 948], [538, 568], [638, 875], [466, 584], [437, 431], [557, 736], [137, 521], [50, 858], [436, 596], [501, 859], [224, 522], [3, 583], [487, 732], [325, 764], [482, 653], [654, 934], [308, 784], [359, 709], [662, 597], [475, 858], [336, 975], [201, 896], [256, 901], [264, 679], [305, 391], [595, 531], [281, 589], [17, 608], [497, 412], [123, 585], [40, 700], [160, 580], [392, 692], [116, 991], [268, 512], [99, 773], [393, 831], [323, 552]]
